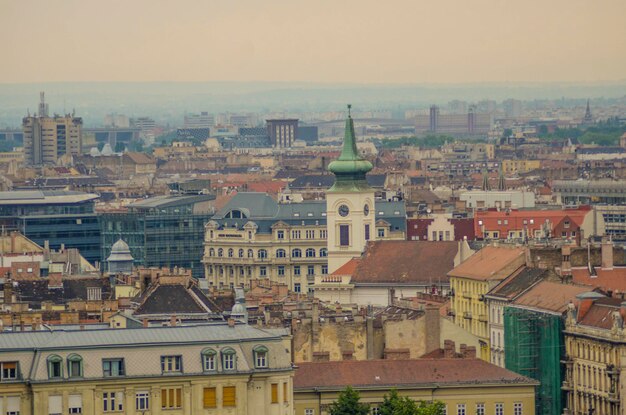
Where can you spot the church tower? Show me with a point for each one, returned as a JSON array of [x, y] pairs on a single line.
[[350, 210]]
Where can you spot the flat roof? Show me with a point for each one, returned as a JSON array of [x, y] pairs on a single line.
[[41, 197]]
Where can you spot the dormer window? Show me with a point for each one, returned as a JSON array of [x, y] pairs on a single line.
[[229, 359], [74, 366], [55, 367], [260, 357], [208, 360]]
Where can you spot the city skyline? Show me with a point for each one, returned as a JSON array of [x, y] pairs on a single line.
[[328, 42]]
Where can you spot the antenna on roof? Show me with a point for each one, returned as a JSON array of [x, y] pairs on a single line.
[[349, 108]]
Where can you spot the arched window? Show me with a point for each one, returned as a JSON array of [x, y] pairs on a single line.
[[230, 252], [250, 253], [296, 253], [211, 252], [310, 253], [241, 253], [260, 357], [280, 253], [74, 366], [55, 367], [323, 253], [229, 359], [220, 252], [262, 254], [208, 359]]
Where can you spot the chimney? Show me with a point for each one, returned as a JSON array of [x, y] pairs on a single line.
[[231, 322], [566, 263], [470, 352], [448, 349], [173, 321], [607, 254], [463, 349], [13, 235], [144, 322]]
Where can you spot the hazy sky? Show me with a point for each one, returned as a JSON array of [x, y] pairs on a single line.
[[383, 41]]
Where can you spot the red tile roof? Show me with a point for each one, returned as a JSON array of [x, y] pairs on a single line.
[[490, 263], [551, 296], [348, 268], [607, 279], [405, 262], [600, 314], [398, 373]]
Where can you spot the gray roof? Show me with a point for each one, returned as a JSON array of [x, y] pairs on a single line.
[[170, 201], [39, 197], [132, 337]]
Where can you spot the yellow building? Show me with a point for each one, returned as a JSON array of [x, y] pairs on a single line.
[[472, 280], [520, 166], [464, 385], [206, 369], [595, 349]]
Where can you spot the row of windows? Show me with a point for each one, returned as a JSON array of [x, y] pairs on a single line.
[[461, 409], [297, 234], [116, 367], [262, 253], [263, 270]]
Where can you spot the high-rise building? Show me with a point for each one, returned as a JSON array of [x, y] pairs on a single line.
[[48, 138], [468, 123], [512, 108], [202, 120], [282, 132]]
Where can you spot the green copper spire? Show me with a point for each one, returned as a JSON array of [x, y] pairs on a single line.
[[350, 168]]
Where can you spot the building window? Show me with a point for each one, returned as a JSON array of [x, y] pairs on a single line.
[[274, 392], [280, 234], [220, 252], [324, 269], [240, 253], [281, 270], [295, 234], [310, 253], [296, 287], [231, 253], [74, 366], [310, 270], [381, 233], [499, 409], [229, 396], [209, 398], [208, 359], [310, 234], [8, 370], [13, 405], [367, 232], [211, 252], [375, 410], [280, 253], [55, 405], [75, 404], [323, 234], [312, 411], [55, 368], [262, 254], [249, 234], [285, 392], [113, 367], [263, 271], [142, 400], [296, 253], [260, 357], [112, 401], [229, 357], [171, 398], [460, 409], [517, 408], [171, 364], [323, 253], [344, 235], [480, 409]]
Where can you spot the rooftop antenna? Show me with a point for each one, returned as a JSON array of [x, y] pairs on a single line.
[[349, 108]]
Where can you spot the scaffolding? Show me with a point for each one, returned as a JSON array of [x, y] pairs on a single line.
[[534, 348]]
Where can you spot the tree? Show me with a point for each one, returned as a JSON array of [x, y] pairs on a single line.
[[394, 404], [348, 404]]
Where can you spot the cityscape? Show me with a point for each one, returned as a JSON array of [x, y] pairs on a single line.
[[343, 208]]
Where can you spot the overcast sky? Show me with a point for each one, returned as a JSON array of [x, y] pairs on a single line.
[[381, 41]]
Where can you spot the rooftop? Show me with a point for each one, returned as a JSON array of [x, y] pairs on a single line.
[[490, 263], [41, 197], [402, 373], [550, 296]]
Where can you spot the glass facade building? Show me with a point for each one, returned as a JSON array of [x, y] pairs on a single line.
[[59, 217], [161, 231]]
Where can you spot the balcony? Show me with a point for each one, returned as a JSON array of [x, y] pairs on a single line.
[[467, 294], [483, 318], [467, 315]]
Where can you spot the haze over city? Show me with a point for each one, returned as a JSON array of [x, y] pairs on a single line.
[[402, 41]]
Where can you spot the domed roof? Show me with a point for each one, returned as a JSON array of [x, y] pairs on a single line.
[[107, 150], [94, 152], [120, 246], [238, 310], [120, 252]]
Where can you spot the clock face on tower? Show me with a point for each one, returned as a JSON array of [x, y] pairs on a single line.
[[343, 210], [366, 210]]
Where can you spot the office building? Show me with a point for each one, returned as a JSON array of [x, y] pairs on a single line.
[[282, 132], [48, 138], [163, 231], [62, 218], [469, 123], [218, 368], [202, 120]]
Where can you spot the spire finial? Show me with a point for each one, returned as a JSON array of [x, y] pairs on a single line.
[[349, 108]]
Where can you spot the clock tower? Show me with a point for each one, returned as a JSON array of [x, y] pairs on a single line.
[[350, 210]]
